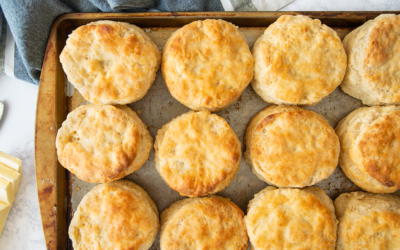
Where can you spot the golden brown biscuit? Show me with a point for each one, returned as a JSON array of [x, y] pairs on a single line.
[[207, 64], [208, 223], [197, 153], [145, 144], [368, 221], [289, 146], [297, 60], [117, 215], [291, 219], [373, 68], [370, 148], [101, 143], [110, 62]]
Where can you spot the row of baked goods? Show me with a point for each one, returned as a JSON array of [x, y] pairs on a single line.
[[207, 64], [198, 153], [121, 215], [198, 149]]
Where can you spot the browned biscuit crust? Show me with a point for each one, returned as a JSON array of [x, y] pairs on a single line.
[[197, 153], [98, 143], [297, 60], [110, 62], [289, 146], [203, 223], [145, 144], [368, 221], [373, 51], [207, 64], [370, 148], [118, 215], [291, 219]]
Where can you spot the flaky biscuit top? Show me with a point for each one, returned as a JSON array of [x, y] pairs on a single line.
[[117, 215], [289, 146], [291, 219], [298, 60], [207, 64], [98, 143], [370, 148], [110, 62], [209, 222], [197, 153], [373, 61], [368, 221]]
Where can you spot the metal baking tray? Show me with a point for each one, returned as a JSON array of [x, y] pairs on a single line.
[[60, 192]]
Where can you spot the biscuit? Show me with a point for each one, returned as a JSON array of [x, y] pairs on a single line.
[[209, 222], [373, 68], [291, 219], [289, 146], [368, 221], [197, 153], [297, 60], [370, 148], [207, 64], [110, 62], [115, 215], [101, 143]]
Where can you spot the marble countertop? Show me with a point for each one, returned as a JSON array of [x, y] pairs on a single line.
[[23, 229]]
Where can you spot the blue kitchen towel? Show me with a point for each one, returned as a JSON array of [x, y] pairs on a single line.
[[25, 24]]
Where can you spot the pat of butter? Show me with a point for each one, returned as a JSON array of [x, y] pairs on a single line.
[[4, 211], [11, 161], [11, 176], [6, 191]]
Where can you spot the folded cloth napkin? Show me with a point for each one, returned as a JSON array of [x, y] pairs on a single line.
[[25, 24]]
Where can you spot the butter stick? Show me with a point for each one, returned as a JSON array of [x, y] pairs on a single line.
[[11, 161], [4, 211], [10, 175], [6, 192]]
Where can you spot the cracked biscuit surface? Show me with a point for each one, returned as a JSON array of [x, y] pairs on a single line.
[[370, 148], [289, 146], [110, 62], [298, 60], [101, 143], [197, 153], [373, 71], [209, 222], [117, 215], [288, 218], [207, 64], [368, 221]]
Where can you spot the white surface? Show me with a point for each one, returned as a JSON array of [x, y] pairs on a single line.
[[270, 5], [18, 123], [23, 229]]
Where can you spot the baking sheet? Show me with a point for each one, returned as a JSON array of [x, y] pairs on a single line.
[[158, 107]]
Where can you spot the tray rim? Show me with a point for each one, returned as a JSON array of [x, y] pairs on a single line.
[[51, 109]]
